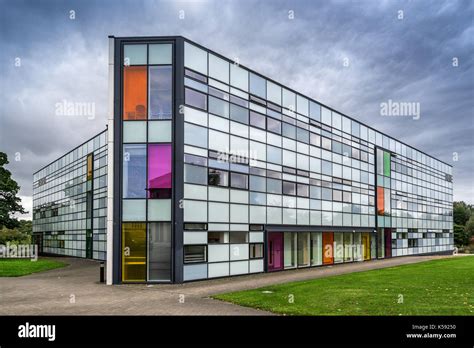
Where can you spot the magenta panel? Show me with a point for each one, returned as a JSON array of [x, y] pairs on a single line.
[[159, 170]]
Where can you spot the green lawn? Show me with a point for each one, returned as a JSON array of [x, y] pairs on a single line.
[[20, 267], [437, 287]]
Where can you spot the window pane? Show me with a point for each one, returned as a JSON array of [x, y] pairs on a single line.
[[274, 186], [258, 86], [273, 93], [239, 114], [134, 92], [257, 183], [303, 190], [218, 177], [302, 105], [195, 135], [195, 58], [326, 116], [274, 126], [289, 188], [159, 171], [257, 120], [256, 251], [289, 100], [134, 171], [160, 54], [134, 55], [195, 174], [239, 181], [218, 68], [218, 107], [239, 77], [160, 81], [194, 253], [134, 260], [159, 251], [315, 111], [196, 99]]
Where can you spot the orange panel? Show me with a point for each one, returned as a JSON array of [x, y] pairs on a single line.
[[134, 93], [380, 201], [328, 242]]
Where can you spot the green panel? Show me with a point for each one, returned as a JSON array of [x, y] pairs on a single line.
[[386, 164]]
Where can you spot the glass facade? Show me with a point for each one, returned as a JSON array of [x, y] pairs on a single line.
[[225, 172], [70, 202]]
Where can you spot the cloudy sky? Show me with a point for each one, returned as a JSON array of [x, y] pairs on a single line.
[[351, 55]]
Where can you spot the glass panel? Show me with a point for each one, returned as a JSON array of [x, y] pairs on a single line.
[[326, 116], [218, 177], [134, 171], [302, 105], [196, 99], [315, 111], [386, 163], [194, 253], [159, 171], [195, 135], [381, 243], [258, 86], [273, 93], [316, 249], [218, 68], [239, 181], [195, 58], [239, 77], [218, 107], [90, 169], [134, 92], [289, 100], [289, 250], [303, 249], [159, 131], [238, 113], [380, 160], [195, 174], [160, 81], [160, 54], [357, 246], [133, 252], [348, 247], [338, 247], [380, 201], [134, 131], [159, 251], [134, 55], [257, 120]]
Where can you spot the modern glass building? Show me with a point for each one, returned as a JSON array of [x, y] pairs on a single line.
[[215, 170]]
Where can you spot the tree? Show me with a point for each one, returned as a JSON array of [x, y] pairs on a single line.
[[461, 213], [469, 228], [9, 202], [460, 236]]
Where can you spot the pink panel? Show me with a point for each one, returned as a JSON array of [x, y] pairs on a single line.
[[159, 169]]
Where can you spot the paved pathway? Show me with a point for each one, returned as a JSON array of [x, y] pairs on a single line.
[[75, 290]]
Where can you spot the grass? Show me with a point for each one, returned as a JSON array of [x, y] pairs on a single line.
[[436, 287], [20, 267]]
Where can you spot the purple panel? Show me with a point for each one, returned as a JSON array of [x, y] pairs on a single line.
[[159, 170]]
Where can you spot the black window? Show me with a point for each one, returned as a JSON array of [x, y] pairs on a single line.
[[195, 253], [218, 177]]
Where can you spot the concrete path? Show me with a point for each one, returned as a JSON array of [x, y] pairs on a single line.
[[75, 290]]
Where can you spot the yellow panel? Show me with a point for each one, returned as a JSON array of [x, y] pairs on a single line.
[[133, 252]]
